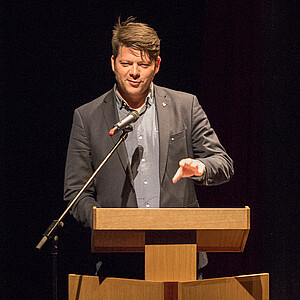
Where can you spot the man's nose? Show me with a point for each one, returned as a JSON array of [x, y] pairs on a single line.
[[134, 71]]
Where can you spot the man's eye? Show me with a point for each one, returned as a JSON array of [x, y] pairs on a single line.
[[144, 65], [125, 64]]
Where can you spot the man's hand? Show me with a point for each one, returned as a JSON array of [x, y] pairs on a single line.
[[189, 167]]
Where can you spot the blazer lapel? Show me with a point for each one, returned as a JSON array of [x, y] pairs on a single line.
[[163, 113], [111, 117]]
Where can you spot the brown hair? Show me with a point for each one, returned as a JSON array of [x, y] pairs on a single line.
[[135, 35]]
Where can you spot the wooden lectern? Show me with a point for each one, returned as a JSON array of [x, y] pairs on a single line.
[[170, 238]]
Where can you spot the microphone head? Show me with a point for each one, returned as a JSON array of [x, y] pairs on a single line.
[[135, 115], [131, 118]]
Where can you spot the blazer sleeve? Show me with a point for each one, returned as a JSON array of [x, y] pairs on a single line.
[[77, 172], [208, 149]]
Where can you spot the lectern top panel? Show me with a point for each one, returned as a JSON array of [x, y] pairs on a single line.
[[171, 218]]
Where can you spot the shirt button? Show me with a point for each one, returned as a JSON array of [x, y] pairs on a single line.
[[143, 159], [147, 205], [145, 182], [140, 137]]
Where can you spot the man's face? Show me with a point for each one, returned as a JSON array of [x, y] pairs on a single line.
[[134, 73]]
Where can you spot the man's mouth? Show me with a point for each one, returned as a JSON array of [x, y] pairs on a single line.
[[134, 83]]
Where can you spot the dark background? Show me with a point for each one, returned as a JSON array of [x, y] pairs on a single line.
[[239, 57]]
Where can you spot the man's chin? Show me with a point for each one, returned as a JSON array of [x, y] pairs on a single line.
[[130, 91], [135, 91]]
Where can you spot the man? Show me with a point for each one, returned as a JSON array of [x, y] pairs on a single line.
[[171, 140]]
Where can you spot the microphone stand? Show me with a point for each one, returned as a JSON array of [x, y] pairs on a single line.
[[52, 231]]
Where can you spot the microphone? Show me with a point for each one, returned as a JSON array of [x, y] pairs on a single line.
[[131, 118]]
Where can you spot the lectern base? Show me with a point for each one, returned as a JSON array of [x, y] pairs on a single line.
[[247, 287]]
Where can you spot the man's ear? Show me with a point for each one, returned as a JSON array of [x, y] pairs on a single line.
[[157, 64], [113, 63]]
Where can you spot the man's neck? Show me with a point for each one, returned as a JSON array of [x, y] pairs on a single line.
[[134, 102]]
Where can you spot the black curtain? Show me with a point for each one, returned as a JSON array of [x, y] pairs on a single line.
[[238, 57]]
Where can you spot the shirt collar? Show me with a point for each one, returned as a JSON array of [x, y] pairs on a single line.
[[122, 104]]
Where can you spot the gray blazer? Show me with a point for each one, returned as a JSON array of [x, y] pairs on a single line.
[[184, 131]]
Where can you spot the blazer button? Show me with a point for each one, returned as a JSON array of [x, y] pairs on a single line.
[[133, 190]]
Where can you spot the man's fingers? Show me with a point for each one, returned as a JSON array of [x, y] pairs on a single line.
[[177, 175], [189, 167], [184, 162]]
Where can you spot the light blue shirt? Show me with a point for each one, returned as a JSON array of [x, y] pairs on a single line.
[[143, 143]]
